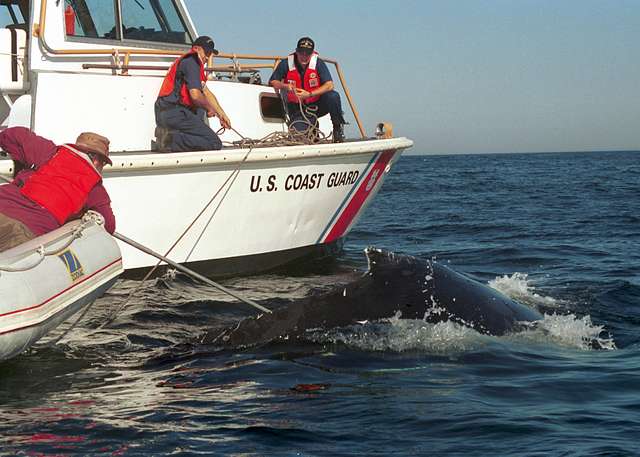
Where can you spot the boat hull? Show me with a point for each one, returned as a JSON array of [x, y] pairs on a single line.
[[239, 211]]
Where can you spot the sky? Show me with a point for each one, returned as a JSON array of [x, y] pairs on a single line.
[[463, 76]]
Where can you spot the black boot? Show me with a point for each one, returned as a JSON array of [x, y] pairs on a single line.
[[163, 139], [338, 133]]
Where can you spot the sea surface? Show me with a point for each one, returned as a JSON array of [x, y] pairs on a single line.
[[558, 232]]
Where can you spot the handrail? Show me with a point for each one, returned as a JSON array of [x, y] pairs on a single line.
[[39, 31], [125, 67]]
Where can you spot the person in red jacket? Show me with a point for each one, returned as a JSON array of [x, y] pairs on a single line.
[[307, 83], [54, 184], [183, 102]]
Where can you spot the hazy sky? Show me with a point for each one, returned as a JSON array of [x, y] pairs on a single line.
[[464, 75]]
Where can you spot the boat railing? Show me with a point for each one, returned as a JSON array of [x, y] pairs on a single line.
[[122, 58]]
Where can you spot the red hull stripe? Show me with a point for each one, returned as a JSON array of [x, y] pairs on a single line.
[[346, 199], [367, 185], [61, 292]]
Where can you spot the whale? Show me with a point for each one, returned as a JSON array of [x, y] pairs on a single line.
[[394, 285]]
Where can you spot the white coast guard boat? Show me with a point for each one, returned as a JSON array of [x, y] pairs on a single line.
[[45, 281], [68, 66]]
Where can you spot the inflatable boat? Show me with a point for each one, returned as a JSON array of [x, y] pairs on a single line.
[[45, 281]]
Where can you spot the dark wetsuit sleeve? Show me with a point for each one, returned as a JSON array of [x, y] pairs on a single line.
[[98, 200], [280, 72], [323, 72], [26, 147], [189, 71]]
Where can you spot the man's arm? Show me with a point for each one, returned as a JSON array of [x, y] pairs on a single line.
[[278, 75], [26, 147], [324, 88], [201, 97], [326, 82], [98, 200], [215, 109]]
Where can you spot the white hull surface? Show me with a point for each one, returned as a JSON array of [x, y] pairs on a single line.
[[263, 201], [49, 289]]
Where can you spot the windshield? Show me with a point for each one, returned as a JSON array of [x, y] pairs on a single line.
[[153, 20], [12, 13], [142, 20]]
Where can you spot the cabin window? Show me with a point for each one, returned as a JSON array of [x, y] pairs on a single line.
[[271, 108], [153, 20], [90, 19], [12, 14]]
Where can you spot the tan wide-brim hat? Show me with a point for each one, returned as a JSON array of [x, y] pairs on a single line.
[[92, 142]]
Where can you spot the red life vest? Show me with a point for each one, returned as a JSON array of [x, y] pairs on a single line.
[[311, 79], [169, 83], [62, 185]]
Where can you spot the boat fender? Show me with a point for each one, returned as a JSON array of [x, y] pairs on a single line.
[[384, 130]]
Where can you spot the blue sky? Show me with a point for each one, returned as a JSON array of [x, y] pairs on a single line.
[[463, 76]]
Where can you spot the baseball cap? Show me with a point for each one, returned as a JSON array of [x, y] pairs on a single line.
[[207, 44], [305, 45]]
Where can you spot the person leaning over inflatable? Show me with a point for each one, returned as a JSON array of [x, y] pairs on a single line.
[[55, 184]]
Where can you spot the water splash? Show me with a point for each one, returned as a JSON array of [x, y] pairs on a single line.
[[401, 335], [569, 331], [566, 330], [450, 338], [519, 287]]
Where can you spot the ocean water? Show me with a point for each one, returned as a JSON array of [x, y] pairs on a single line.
[[558, 232]]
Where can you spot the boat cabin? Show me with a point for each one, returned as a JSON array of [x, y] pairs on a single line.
[[68, 66]]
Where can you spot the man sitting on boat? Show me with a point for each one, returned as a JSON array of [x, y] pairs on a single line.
[[54, 184], [183, 101], [308, 85]]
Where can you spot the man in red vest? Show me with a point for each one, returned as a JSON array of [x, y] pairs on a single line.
[[183, 102], [54, 184], [307, 83]]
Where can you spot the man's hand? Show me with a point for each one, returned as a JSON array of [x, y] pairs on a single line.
[[302, 94], [225, 122]]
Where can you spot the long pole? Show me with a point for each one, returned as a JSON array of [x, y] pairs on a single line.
[[188, 271]]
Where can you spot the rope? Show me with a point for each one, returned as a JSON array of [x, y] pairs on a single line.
[[13, 54], [306, 133], [112, 316], [293, 137]]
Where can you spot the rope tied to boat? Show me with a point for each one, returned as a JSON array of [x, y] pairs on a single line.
[[13, 54], [88, 219], [230, 180]]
